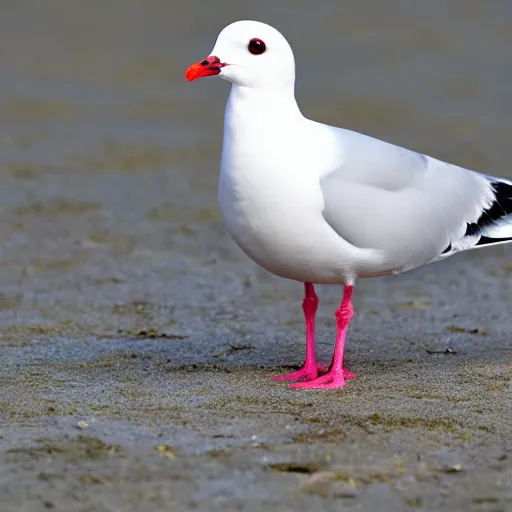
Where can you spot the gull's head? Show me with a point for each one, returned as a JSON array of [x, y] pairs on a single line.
[[249, 54]]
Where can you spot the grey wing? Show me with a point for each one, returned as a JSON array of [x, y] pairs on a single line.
[[413, 208]]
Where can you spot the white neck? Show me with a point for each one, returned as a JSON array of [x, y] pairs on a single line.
[[256, 122], [259, 107]]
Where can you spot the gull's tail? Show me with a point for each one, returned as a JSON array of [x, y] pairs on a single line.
[[495, 224], [493, 227]]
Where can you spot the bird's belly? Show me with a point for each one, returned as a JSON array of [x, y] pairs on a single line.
[[279, 251], [283, 235]]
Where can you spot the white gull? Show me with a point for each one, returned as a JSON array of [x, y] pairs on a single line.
[[325, 205]]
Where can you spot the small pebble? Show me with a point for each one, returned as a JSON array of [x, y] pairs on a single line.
[[82, 424], [165, 450], [318, 483], [454, 468]]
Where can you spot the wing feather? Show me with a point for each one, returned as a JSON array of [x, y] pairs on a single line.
[[412, 207]]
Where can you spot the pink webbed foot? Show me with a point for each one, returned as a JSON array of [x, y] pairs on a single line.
[[331, 380], [302, 374]]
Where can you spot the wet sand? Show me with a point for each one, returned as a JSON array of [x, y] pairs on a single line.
[[137, 341]]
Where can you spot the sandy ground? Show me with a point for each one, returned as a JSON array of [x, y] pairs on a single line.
[[137, 342]]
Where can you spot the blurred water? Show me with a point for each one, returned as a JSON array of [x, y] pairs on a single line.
[[429, 75]]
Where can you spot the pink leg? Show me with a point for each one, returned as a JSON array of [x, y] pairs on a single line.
[[310, 369], [335, 377]]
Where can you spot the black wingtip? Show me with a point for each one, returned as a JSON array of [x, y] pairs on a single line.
[[501, 207], [485, 240]]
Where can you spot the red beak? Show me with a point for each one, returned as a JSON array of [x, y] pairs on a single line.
[[207, 67]]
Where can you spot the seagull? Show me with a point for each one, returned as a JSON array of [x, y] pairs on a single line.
[[325, 205]]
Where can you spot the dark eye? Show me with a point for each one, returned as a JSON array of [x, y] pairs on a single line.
[[256, 46]]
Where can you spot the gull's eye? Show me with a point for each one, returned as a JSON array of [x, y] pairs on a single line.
[[256, 46]]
